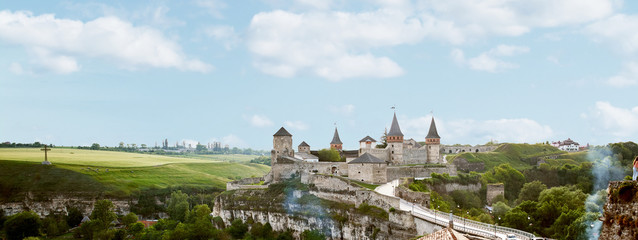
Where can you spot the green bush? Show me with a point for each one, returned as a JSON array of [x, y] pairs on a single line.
[[22, 225]]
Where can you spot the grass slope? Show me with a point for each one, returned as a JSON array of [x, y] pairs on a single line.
[[92, 158], [21, 172], [519, 156]]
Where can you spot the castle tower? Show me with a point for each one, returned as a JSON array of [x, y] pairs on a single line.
[[303, 148], [281, 145], [433, 144], [395, 142], [336, 142]]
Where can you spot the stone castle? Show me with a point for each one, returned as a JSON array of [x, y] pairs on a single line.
[[400, 158]]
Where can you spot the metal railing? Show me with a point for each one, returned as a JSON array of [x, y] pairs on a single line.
[[470, 226]]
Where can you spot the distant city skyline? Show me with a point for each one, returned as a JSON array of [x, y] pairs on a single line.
[[78, 72]]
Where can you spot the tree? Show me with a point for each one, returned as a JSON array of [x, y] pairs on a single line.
[[54, 225], [531, 191], [237, 229], [201, 148], [22, 225], [95, 146], [178, 206], [510, 177], [129, 219], [553, 202], [121, 145], [312, 235], [103, 211], [202, 226], [499, 210], [384, 140], [329, 155], [74, 216]]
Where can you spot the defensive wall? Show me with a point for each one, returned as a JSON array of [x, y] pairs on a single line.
[[463, 165], [446, 149], [246, 183], [419, 171], [298, 168], [494, 190], [340, 190]]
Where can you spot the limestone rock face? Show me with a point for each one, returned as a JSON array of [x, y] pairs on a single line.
[[60, 202], [621, 211], [300, 211]]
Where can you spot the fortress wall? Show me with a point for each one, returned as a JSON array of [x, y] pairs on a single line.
[[288, 170], [460, 149], [421, 198], [415, 156], [381, 153], [376, 199], [494, 190], [396, 172], [245, 184]]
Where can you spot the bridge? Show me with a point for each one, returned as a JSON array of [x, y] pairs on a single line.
[[460, 224]]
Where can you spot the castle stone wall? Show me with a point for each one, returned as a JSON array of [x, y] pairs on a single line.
[[415, 156], [368, 172], [396, 172], [288, 170], [461, 149], [381, 153], [493, 190]]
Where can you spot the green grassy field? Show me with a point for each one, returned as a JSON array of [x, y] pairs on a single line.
[[519, 156], [76, 170]]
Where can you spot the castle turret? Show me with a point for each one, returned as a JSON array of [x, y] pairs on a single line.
[[336, 142], [281, 145], [303, 148], [395, 142], [433, 143]]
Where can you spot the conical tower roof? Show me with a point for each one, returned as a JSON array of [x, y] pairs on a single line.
[[282, 132], [395, 130], [335, 138], [304, 144], [432, 133]]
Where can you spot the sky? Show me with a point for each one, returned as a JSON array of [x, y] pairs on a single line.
[[81, 72]]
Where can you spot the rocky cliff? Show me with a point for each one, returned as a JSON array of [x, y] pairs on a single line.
[[621, 211], [58, 203], [293, 207]]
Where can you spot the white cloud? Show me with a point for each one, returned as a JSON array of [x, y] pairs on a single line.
[[338, 45], [468, 131], [489, 61], [332, 45], [16, 69], [298, 125], [260, 121], [225, 34], [618, 30], [343, 110], [607, 118], [628, 77], [213, 7], [459, 21], [55, 39], [315, 4]]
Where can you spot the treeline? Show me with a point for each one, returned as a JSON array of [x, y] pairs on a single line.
[[22, 145]]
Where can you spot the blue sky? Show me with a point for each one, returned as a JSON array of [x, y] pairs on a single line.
[[78, 72]]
